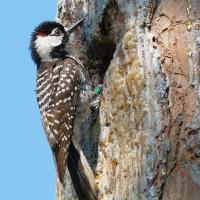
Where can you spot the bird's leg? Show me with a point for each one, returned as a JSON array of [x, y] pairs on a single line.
[[95, 103], [89, 96]]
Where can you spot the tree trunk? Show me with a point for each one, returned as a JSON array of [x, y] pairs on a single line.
[[145, 142]]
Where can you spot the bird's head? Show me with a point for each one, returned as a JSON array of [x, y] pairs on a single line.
[[48, 41]]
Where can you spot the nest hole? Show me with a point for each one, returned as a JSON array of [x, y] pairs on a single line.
[[102, 46]]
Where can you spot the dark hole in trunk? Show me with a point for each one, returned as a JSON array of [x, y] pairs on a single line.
[[102, 45]]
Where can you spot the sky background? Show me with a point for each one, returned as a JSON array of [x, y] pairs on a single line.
[[26, 165]]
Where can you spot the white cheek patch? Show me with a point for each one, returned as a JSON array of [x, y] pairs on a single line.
[[44, 45]]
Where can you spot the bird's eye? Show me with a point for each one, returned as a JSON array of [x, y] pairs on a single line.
[[56, 32]]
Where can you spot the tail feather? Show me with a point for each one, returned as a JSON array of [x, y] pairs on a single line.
[[60, 162], [79, 176]]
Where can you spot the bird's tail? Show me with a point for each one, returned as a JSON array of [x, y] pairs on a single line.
[[81, 174]]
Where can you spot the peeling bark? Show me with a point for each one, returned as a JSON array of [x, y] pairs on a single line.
[[145, 141]]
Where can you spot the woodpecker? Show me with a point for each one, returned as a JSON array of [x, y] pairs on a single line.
[[59, 78]]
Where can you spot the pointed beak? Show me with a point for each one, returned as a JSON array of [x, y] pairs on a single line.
[[74, 26]]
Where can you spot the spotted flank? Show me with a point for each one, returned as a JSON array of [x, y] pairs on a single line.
[[57, 92]]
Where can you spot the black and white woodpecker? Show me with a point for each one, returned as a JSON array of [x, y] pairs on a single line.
[[59, 77]]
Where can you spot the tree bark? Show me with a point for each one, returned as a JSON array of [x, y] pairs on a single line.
[[145, 141]]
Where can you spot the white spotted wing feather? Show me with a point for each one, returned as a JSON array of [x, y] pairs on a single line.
[[57, 102]]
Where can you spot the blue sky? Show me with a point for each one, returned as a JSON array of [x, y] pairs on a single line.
[[26, 165]]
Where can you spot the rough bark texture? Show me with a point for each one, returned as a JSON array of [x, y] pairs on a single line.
[[145, 143]]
